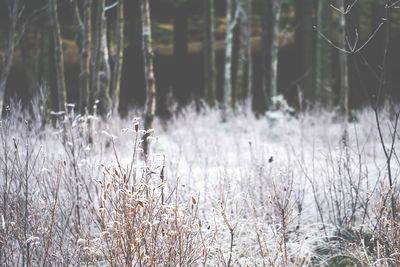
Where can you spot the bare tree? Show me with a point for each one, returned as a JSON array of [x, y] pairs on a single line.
[[14, 12], [58, 55], [103, 61], [210, 71], [343, 63], [276, 13], [230, 25], [84, 42], [249, 28], [304, 39], [323, 68], [119, 56], [240, 49], [266, 20], [86, 55], [272, 11], [101, 73], [150, 107]]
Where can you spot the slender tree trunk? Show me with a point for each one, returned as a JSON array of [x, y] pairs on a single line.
[[272, 13], [227, 93], [241, 46], [150, 107], [119, 56], [266, 51], [30, 51], [304, 39], [85, 56], [249, 28], [386, 72], [102, 60], [343, 64], [323, 66], [9, 54], [276, 11], [97, 57], [210, 70], [58, 55]]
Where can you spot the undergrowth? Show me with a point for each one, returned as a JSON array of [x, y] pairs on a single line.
[[241, 193]]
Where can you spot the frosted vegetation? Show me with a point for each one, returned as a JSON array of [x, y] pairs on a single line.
[[278, 190]]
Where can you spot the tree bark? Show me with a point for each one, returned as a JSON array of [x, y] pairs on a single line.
[[148, 55], [249, 28], [227, 93], [85, 56], [272, 13], [103, 72], [210, 70], [9, 54], [58, 55], [343, 64], [241, 46], [304, 39], [276, 12], [323, 66], [119, 56], [266, 51]]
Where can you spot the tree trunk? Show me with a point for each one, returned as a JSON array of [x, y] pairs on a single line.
[[103, 72], [241, 46], [210, 70], [150, 107], [9, 55], [272, 13], [227, 93], [276, 12], [181, 54], [323, 66], [30, 51], [249, 28], [119, 56], [58, 55], [85, 56], [304, 39], [343, 64], [266, 51]]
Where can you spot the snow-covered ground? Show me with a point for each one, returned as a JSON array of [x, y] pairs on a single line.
[[269, 192]]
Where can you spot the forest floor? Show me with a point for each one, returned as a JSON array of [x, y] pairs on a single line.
[[276, 190], [281, 180]]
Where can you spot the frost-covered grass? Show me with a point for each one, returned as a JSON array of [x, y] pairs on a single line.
[[270, 191]]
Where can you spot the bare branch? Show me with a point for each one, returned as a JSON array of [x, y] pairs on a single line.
[[111, 6], [347, 9], [352, 48]]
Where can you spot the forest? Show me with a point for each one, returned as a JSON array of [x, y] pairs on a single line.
[[199, 133]]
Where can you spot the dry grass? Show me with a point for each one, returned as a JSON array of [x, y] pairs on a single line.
[[241, 193]]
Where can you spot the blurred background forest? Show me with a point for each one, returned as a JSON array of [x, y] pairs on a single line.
[[272, 46]]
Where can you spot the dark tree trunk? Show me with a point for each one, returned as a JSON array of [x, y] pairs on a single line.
[[103, 76], [304, 39], [85, 56], [266, 20], [9, 54], [58, 55], [119, 56], [210, 70], [181, 54], [323, 67]]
